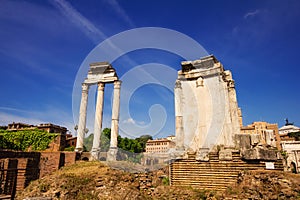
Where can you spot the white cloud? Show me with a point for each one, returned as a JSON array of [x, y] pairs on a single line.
[[6, 118], [120, 11], [79, 20], [251, 14], [129, 121], [141, 123], [87, 27]]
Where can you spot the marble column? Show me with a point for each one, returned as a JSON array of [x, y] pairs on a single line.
[[82, 117], [98, 122], [178, 116], [115, 122]]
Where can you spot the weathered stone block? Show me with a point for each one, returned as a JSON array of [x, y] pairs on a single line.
[[258, 153], [112, 154], [225, 154], [202, 154], [243, 141], [255, 139]]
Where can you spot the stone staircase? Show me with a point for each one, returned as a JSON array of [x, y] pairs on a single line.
[[214, 174]]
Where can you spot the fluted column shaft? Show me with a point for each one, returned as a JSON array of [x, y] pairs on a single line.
[[82, 117], [115, 115], [98, 121], [178, 116]]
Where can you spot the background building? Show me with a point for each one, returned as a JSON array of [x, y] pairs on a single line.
[[157, 151], [159, 145], [290, 142], [268, 133]]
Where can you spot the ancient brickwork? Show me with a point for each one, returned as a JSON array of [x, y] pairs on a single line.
[[215, 174], [30, 166]]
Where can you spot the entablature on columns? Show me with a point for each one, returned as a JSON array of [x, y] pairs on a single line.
[[205, 67], [101, 72]]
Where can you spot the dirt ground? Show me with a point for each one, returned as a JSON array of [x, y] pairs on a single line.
[[96, 180]]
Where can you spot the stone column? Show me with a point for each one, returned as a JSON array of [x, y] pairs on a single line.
[[82, 117], [111, 156], [178, 116], [98, 122]]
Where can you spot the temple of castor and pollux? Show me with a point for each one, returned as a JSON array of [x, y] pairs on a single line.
[[210, 148]]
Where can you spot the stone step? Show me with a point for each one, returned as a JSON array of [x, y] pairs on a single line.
[[214, 174], [5, 197], [228, 168], [205, 179], [202, 186], [207, 183]]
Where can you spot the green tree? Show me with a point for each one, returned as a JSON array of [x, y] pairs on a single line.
[[136, 145], [143, 140], [105, 139], [88, 142]]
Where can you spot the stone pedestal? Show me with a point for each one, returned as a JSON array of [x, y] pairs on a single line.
[[202, 154], [112, 154], [98, 123], [82, 118], [225, 154]]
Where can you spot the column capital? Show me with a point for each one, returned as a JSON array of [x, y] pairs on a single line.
[[117, 84], [85, 87], [178, 84], [101, 86]]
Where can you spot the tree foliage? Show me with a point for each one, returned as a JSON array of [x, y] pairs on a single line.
[[88, 142], [136, 145], [143, 140], [131, 145], [22, 140]]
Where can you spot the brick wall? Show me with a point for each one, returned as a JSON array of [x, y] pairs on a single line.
[[70, 158], [49, 162], [33, 165], [58, 144]]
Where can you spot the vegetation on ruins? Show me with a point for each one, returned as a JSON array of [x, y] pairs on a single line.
[[136, 145], [96, 180], [71, 148], [23, 140]]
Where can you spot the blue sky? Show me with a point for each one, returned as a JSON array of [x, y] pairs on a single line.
[[44, 43]]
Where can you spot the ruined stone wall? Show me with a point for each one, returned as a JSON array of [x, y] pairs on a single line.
[[58, 144], [215, 174], [205, 98], [33, 165], [50, 161], [24, 165]]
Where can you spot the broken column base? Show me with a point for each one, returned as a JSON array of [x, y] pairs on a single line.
[[202, 154], [79, 150], [225, 154], [112, 154], [95, 153], [178, 153]]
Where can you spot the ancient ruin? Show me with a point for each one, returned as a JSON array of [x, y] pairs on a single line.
[[206, 109], [210, 143], [100, 73]]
